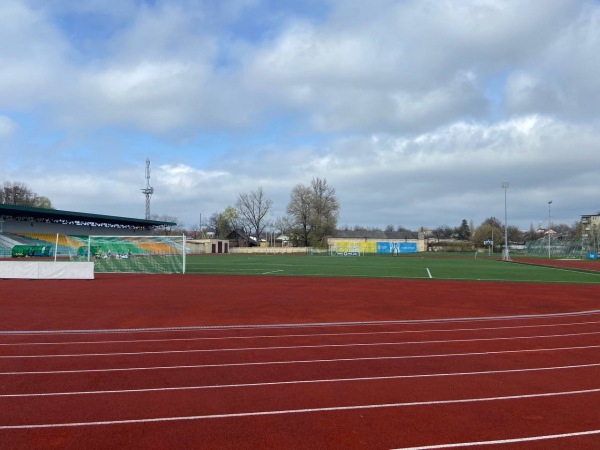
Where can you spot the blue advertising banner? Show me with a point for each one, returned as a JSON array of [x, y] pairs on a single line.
[[396, 247]]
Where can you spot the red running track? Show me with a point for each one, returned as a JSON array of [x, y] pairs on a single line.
[[519, 370]]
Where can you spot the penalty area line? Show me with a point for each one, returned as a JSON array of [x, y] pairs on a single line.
[[429, 273]]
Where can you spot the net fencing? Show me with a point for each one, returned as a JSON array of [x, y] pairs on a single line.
[[561, 247]]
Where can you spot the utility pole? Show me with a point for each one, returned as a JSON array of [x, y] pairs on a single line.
[[505, 256], [549, 237]]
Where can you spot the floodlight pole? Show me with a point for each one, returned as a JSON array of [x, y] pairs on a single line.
[[505, 256], [549, 203]]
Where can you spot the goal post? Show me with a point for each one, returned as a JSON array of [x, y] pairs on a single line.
[[346, 249], [135, 254]]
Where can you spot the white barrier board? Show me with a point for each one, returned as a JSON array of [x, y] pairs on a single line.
[[47, 270]]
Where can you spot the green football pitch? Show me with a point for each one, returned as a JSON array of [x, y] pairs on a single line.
[[415, 267]]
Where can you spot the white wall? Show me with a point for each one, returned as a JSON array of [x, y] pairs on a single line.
[[36, 270]]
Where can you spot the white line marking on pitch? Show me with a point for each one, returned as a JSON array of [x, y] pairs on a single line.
[[272, 271], [292, 382], [306, 361], [299, 411], [429, 273], [504, 441], [279, 336], [292, 347]]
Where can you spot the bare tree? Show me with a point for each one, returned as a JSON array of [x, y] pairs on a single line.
[[169, 230], [253, 208], [224, 222], [283, 225], [325, 209], [314, 210], [19, 194], [442, 232], [299, 208]]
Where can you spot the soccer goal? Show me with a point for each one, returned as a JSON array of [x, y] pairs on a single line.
[[345, 249], [135, 254]]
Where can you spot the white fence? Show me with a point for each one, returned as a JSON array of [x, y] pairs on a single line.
[[268, 250], [46, 270]]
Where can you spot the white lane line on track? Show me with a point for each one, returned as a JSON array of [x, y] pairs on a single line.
[[300, 325], [504, 441], [219, 338], [306, 361], [299, 411], [292, 347], [292, 382]]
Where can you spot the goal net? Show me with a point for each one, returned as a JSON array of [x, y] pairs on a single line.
[[136, 254]]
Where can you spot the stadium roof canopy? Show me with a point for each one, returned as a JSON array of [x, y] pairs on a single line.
[[77, 218]]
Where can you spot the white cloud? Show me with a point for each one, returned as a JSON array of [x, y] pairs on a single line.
[[571, 62], [415, 111], [7, 127], [391, 66], [32, 56], [405, 66], [526, 93]]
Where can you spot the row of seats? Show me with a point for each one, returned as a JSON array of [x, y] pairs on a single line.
[[72, 241]]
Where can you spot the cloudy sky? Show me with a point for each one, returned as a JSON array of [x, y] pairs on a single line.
[[415, 111]]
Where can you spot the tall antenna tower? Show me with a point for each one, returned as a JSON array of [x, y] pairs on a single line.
[[148, 191]]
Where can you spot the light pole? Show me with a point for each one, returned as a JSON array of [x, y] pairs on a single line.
[[505, 256], [549, 203]]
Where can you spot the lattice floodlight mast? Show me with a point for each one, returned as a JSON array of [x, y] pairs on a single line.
[[148, 190]]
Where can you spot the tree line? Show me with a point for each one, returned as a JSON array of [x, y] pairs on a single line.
[[492, 229], [312, 214], [17, 193]]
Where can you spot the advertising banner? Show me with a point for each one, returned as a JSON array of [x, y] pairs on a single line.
[[396, 247]]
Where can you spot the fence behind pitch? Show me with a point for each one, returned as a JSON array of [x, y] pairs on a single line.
[[361, 248]]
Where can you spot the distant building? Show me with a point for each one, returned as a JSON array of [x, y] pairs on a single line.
[[588, 221]]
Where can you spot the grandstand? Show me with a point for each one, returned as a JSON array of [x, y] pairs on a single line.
[[66, 231]]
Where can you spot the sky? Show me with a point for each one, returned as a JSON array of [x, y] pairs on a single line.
[[415, 112]]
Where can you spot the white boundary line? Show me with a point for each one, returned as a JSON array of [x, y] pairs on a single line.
[[279, 336], [504, 441], [429, 273], [293, 347], [304, 325], [292, 382], [298, 411], [307, 361]]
